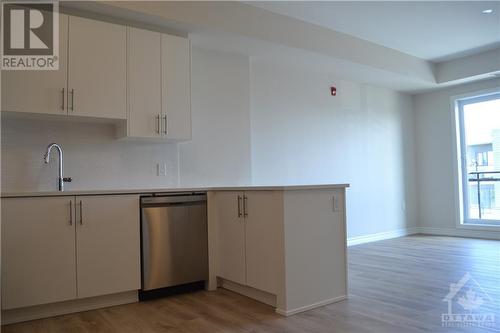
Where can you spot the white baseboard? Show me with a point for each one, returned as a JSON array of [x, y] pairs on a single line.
[[459, 232], [310, 307], [250, 292], [453, 232], [62, 308], [381, 236]]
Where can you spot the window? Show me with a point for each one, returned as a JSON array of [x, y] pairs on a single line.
[[482, 158], [479, 146]]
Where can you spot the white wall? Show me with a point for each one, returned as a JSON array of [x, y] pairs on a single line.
[[265, 123], [434, 156], [92, 156], [219, 152], [364, 136]]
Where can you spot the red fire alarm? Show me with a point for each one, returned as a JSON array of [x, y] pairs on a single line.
[[333, 91]]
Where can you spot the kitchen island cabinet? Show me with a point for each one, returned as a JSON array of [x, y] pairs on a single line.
[[286, 248]]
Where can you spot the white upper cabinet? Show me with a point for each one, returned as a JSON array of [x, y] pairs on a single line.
[[39, 91], [176, 87], [111, 71], [97, 74], [159, 86], [144, 83]]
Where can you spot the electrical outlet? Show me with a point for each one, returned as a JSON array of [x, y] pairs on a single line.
[[164, 169], [161, 169]]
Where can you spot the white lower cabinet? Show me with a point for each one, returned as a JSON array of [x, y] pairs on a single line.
[[230, 236], [62, 248], [286, 248], [250, 238], [264, 239], [107, 244], [38, 251]]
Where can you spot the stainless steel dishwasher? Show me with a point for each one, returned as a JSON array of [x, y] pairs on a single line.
[[174, 244]]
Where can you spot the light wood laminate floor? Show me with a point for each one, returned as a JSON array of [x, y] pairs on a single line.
[[395, 286]]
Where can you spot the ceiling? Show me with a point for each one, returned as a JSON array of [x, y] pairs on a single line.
[[391, 48], [431, 30]]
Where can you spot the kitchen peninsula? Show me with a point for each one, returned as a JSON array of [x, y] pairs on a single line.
[[282, 245]]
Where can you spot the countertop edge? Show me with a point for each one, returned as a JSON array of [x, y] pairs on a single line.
[[174, 190]]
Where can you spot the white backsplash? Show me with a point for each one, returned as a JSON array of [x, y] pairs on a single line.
[[92, 157]]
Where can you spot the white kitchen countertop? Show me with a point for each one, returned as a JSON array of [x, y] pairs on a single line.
[[173, 190]]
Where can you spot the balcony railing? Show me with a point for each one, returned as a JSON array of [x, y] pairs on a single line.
[[479, 177]]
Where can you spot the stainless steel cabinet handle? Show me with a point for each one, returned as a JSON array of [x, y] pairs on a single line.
[[81, 212], [62, 93], [239, 206], [245, 206], [158, 124], [72, 92], [71, 212], [165, 129]]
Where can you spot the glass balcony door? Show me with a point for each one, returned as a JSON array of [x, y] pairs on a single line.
[[479, 124]]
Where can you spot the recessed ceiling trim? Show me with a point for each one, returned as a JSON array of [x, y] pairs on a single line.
[[249, 21]]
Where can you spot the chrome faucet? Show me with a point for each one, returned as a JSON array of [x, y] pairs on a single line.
[[61, 180]]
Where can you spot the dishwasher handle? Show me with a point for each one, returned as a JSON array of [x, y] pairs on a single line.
[[174, 199]]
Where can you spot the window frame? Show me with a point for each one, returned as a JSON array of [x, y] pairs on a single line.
[[460, 161]]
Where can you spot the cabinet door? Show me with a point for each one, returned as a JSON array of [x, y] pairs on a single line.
[[97, 69], [176, 87], [38, 251], [144, 83], [39, 91], [264, 239], [108, 246], [230, 237]]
